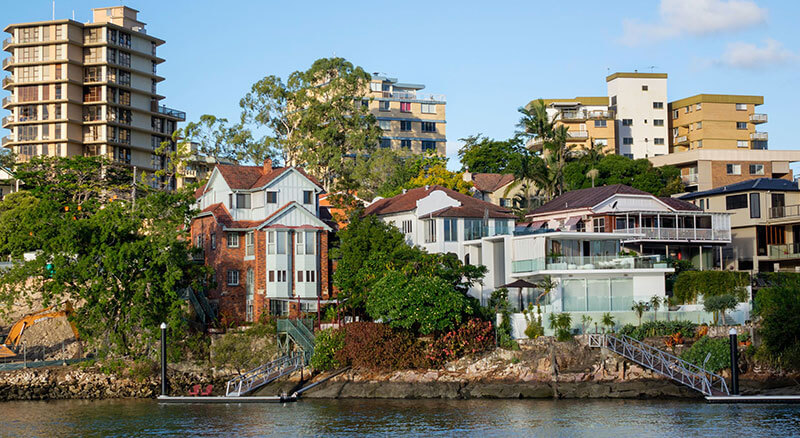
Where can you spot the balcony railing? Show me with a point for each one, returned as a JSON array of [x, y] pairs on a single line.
[[690, 179], [189, 173], [7, 120], [409, 95], [8, 80], [8, 100], [8, 61], [758, 118], [590, 262], [784, 211], [172, 112], [573, 115], [681, 139], [759, 136], [7, 139], [664, 233], [600, 114], [787, 251], [577, 135], [7, 42]]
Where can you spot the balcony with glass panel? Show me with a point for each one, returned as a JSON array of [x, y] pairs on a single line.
[[686, 227]]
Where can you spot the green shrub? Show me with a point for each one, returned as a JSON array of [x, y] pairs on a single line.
[[377, 346], [327, 345], [561, 323], [142, 369], [659, 328], [720, 353], [113, 366], [474, 337], [779, 308], [690, 284]]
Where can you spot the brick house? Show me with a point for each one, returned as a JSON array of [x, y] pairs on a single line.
[[264, 233]]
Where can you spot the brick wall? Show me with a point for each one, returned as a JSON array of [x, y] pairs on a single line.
[[720, 177]]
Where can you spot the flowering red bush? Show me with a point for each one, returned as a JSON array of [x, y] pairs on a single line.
[[471, 338], [377, 346]]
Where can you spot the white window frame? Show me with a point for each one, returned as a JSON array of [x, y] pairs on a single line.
[[733, 169], [250, 244], [233, 277], [742, 143], [430, 230], [233, 239], [741, 107], [386, 125], [266, 197], [299, 242], [757, 166], [428, 108], [311, 276]]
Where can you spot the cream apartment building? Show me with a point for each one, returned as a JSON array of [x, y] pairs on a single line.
[[410, 120], [639, 101], [588, 120], [87, 89]]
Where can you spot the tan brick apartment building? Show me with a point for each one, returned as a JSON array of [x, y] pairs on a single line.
[[588, 120], [87, 89], [261, 230], [410, 120], [716, 121]]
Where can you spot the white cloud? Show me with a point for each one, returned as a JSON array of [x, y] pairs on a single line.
[[694, 17], [750, 56]]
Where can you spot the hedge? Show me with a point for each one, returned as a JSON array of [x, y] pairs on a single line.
[[691, 284]]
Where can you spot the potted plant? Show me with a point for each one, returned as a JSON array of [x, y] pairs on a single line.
[[744, 340]]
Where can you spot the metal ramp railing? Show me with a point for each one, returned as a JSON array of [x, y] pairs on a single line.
[[260, 376], [663, 363], [298, 331]]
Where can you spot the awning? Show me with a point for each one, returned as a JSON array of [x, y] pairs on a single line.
[[572, 221], [538, 224]]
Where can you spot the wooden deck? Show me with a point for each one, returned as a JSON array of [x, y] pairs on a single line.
[[223, 399], [753, 399]]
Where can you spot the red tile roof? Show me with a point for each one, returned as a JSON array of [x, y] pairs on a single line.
[[585, 198], [677, 204], [490, 182], [470, 207], [251, 177]]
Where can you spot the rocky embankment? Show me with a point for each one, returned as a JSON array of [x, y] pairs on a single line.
[[76, 383], [542, 368]]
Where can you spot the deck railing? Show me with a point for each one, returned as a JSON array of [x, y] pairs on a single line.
[[566, 263]]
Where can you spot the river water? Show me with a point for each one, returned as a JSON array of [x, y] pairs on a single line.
[[486, 418]]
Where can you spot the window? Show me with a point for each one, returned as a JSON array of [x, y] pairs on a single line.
[[658, 122], [406, 227], [374, 86], [198, 241], [674, 114], [613, 100], [272, 276], [600, 124], [276, 242], [428, 108], [124, 59], [233, 277], [430, 230], [741, 143], [733, 169], [474, 229], [698, 107], [628, 155], [698, 144], [233, 240], [658, 105], [601, 142], [386, 125], [405, 125], [304, 242], [756, 169], [627, 122], [627, 140], [741, 107], [599, 224], [741, 125], [500, 227], [686, 110], [405, 144], [308, 197], [734, 202], [242, 200], [272, 197], [428, 127], [450, 230], [644, 87], [405, 107], [658, 141], [281, 276], [702, 204], [311, 276], [250, 244], [386, 143], [213, 240], [428, 145], [383, 105], [698, 125], [299, 276], [755, 205]]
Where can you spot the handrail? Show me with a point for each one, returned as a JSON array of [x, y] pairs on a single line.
[[263, 374], [661, 362]]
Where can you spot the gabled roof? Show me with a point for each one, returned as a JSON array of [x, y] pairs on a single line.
[[586, 198], [223, 216], [677, 204], [470, 207], [764, 184], [251, 177], [490, 182]]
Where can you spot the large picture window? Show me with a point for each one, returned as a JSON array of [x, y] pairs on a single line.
[[450, 230], [734, 202]]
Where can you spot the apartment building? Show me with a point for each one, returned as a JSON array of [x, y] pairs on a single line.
[[765, 221], [716, 121], [410, 120], [588, 120], [87, 89], [197, 166], [262, 231], [639, 102]]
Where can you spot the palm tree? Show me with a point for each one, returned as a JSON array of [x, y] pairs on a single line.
[[586, 321], [655, 303], [666, 302], [639, 308], [608, 321], [547, 284], [564, 321], [593, 173]]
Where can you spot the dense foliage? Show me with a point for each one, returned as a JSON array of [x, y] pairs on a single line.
[[246, 349], [327, 344], [691, 284], [561, 324], [377, 346], [778, 306], [659, 328], [718, 305], [475, 336], [480, 154], [720, 353], [618, 169], [121, 262]]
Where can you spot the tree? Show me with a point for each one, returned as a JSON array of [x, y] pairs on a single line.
[[383, 173], [618, 169], [586, 321], [481, 154], [550, 139], [437, 174], [122, 266], [547, 284], [608, 321], [561, 323], [718, 305], [778, 306], [639, 308], [655, 303]]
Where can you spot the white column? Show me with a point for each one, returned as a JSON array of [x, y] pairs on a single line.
[[701, 257], [695, 226]]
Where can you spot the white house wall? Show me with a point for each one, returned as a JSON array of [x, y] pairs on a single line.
[[435, 201]]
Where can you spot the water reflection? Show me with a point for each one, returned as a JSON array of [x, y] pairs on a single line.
[[596, 418]]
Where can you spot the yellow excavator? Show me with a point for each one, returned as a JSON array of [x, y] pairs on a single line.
[[10, 347]]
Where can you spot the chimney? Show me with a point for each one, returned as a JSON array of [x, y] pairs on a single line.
[[267, 165]]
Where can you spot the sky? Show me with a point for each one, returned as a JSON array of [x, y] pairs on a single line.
[[488, 58]]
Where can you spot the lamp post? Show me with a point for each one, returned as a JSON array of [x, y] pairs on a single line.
[[734, 362], [163, 359]]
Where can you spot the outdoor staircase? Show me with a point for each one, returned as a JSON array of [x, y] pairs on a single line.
[[260, 376], [200, 305], [297, 331], [663, 363]]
